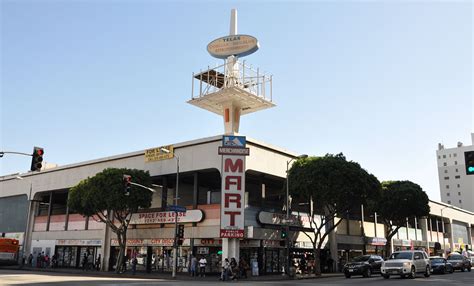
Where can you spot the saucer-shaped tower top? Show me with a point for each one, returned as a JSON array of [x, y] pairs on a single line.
[[233, 88]]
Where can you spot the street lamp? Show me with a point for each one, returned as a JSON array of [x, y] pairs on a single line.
[[175, 243], [442, 227], [288, 211], [26, 236]]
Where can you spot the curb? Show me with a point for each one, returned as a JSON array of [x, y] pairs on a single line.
[[213, 277]]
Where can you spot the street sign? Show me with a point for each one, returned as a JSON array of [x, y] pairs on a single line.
[[175, 208]]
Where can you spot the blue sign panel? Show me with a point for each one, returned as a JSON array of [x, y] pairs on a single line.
[[233, 141], [175, 208]]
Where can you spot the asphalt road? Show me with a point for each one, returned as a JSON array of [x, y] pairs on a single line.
[[9, 277]]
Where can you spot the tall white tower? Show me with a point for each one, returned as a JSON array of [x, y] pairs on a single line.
[[233, 88]]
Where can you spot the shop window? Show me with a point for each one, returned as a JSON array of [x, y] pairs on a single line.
[[43, 206], [59, 203]]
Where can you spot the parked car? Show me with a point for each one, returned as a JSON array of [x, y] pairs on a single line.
[[363, 265], [459, 262], [406, 263], [441, 265]]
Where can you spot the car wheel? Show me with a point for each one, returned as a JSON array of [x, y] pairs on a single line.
[[412, 273], [347, 275], [428, 271], [367, 273], [451, 271], [469, 268], [444, 271], [386, 276]]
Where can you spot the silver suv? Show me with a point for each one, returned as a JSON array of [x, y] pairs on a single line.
[[406, 263]]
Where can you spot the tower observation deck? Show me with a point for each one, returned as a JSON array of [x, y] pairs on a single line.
[[233, 88]]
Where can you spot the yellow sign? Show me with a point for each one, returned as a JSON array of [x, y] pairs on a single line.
[[157, 154]]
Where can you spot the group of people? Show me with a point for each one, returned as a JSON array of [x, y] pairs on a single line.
[[231, 270], [194, 264], [42, 260], [88, 262]]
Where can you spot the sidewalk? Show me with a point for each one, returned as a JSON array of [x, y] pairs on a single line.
[[165, 276]]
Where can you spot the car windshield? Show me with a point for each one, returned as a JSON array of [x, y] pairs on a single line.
[[401, 255], [361, 258], [455, 257], [437, 260]]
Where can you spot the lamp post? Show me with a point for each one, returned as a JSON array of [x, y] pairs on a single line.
[[288, 211], [175, 243]]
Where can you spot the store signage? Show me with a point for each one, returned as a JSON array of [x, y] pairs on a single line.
[[79, 242], [167, 217], [157, 154], [233, 190], [209, 242], [233, 45], [149, 242], [278, 219], [234, 151], [378, 241], [271, 243]]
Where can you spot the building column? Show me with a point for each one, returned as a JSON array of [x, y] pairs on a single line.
[[469, 236], [424, 233], [230, 248], [449, 230]]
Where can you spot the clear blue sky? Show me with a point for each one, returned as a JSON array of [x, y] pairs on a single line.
[[381, 81]]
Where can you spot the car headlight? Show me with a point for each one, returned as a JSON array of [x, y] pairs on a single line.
[[406, 264]]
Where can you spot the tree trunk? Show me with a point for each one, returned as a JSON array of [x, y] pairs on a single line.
[[317, 260], [122, 239]]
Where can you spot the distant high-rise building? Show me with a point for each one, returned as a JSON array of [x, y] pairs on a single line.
[[455, 185]]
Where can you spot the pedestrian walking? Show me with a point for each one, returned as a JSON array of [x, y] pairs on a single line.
[[202, 266], [193, 265], [84, 262]]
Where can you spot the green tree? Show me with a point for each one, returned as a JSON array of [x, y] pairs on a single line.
[[103, 197], [330, 187], [399, 201]]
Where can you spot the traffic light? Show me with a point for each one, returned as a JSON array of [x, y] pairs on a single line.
[[36, 161], [127, 182], [180, 233], [283, 234], [469, 157]]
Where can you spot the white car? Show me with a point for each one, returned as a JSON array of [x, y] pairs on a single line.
[[406, 263]]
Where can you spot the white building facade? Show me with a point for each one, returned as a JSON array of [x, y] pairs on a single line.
[[456, 187]]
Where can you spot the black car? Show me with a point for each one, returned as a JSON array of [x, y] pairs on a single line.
[[460, 262], [363, 265], [441, 265]]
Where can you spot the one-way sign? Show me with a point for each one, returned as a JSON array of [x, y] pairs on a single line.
[[175, 208]]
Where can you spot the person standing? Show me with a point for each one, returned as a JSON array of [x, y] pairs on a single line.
[[134, 265], [30, 260], [225, 270], [202, 266], [97, 263], [243, 267], [84, 262], [193, 265]]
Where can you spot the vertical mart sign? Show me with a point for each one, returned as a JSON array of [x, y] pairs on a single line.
[[233, 153]]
